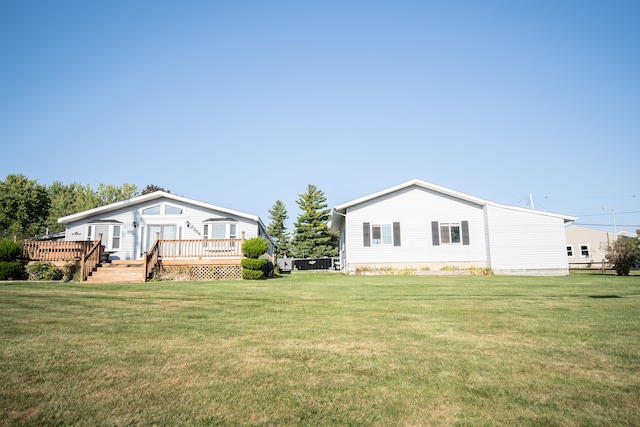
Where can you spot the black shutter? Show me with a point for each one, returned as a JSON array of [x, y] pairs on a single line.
[[465, 232], [366, 233], [396, 234], [435, 233]]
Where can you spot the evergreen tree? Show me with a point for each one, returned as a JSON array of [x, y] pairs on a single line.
[[277, 229], [312, 238]]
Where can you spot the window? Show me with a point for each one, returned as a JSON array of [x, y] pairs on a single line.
[[449, 233], [172, 210], [162, 208], [115, 237], [570, 250], [217, 231], [381, 234], [584, 250], [161, 231], [153, 210], [109, 233]]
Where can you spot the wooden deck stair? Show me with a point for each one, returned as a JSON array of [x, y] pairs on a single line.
[[118, 272]]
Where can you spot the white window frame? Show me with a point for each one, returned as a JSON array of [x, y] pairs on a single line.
[[230, 232], [108, 240], [582, 250], [449, 226], [162, 210], [385, 232], [570, 252], [159, 206], [168, 206]]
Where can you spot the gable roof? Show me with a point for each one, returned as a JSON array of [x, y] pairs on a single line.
[[150, 197], [341, 210]]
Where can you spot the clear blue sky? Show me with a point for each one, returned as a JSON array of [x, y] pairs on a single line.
[[241, 103]]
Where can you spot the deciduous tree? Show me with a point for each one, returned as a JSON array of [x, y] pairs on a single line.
[[623, 254], [110, 193], [24, 206]]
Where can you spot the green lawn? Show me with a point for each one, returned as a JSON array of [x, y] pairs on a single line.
[[323, 349]]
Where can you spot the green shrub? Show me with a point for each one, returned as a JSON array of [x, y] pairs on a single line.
[[10, 250], [11, 270], [254, 247], [69, 271], [268, 267], [253, 263], [248, 274], [44, 271], [10, 265]]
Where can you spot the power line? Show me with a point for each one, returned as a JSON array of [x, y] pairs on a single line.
[[608, 225], [609, 213], [590, 197]]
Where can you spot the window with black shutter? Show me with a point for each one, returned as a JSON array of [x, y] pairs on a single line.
[[450, 233]]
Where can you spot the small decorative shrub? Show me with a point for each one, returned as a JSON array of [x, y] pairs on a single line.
[[253, 263], [254, 247], [248, 274], [253, 266], [44, 271]]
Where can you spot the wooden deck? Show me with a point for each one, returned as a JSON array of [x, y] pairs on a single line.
[[205, 259]]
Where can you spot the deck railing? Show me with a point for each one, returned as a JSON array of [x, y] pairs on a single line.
[[58, 250], [151, 258], [211, 248], [91, 259]]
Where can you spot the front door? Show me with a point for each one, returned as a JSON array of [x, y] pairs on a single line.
[[166, 232]]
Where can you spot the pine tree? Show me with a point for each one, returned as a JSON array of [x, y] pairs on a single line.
[[312, 238], [277, 229]]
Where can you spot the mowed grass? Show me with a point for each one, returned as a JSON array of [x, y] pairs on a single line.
[[323, 349]]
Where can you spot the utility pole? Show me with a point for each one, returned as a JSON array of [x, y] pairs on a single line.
[[533, 208]]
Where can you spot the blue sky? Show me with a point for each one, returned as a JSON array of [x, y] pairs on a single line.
[[241, 103]]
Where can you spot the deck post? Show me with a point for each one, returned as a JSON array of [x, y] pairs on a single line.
[[242, 243]]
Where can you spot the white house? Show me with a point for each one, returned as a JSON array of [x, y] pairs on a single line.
[[129, 228], [422, 225]]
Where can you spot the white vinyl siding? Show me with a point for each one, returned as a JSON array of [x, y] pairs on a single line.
[[474, 233], [522, 241], [412, 208]]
